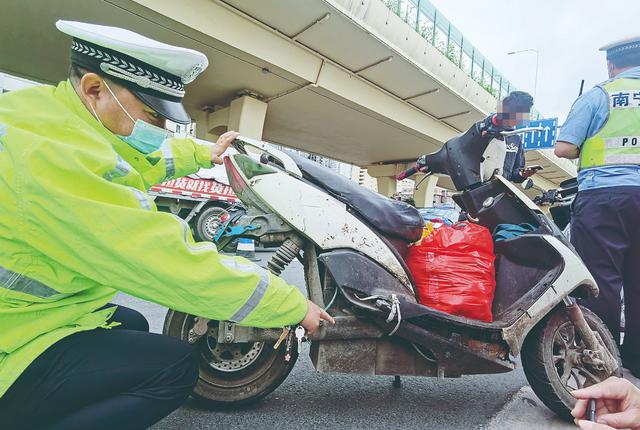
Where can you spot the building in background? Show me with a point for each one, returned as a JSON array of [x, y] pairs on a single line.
[[360, 175], [441, 196]]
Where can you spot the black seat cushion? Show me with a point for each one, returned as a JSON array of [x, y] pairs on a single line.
[[392, 218]]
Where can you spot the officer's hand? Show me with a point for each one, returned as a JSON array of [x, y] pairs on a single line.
[[617, 405], [222, 145], [314, 315]]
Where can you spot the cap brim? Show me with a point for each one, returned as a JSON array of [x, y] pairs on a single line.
[[173, 111]]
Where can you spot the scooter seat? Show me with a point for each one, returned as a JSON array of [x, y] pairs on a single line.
[[392, 218]]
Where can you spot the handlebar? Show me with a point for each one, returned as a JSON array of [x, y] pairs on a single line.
[[468, 148], [420, 166], [559, 195], [409, 172]]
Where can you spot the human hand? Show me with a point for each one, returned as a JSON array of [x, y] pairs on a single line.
[[617, 405], [222, 145], [314, 315], [528, 172]]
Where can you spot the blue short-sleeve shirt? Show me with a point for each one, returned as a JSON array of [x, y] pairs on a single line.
[[587, 117]]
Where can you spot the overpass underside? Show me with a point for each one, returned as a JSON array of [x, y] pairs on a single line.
[[341, 78]]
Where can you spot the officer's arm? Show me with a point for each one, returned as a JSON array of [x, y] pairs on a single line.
[[575, 129], [566, 150], [180, 157], [111, 235]]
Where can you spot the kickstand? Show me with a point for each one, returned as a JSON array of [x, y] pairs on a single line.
[[397, 383]]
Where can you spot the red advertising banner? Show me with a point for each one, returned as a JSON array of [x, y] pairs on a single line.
[[197, 188]]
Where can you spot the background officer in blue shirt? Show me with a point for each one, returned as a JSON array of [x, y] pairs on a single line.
[[603, 129]]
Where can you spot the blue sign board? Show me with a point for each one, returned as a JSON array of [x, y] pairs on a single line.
[[544, 139]]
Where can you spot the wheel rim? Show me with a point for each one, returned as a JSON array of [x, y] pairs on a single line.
[[230, 357], [567, 359], [253, 360], [213, 222]]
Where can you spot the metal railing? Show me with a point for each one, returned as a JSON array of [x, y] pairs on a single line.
[[444, 36]]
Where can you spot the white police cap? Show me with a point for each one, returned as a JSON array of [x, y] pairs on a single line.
[[155, 72], [622, 47]]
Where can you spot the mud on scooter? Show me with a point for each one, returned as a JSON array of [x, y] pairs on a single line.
[[352, 243]]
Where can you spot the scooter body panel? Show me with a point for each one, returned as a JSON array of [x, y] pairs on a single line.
[[573, 276], [324, 219]]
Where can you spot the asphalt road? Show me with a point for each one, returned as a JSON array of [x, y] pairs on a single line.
[[334, 401]]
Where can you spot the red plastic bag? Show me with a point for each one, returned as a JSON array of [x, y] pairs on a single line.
[[454, 270]]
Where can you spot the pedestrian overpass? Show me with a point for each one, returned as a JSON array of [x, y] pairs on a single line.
[[369, 82]]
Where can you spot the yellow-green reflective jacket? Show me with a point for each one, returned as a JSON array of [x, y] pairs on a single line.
[[618, 142], [76, 225]]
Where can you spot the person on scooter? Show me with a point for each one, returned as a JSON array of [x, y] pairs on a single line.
[[76, 226], [603, 130], [513, 110]]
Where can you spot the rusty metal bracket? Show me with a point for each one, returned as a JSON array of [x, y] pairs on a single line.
[[345, 328], [226, 332], [595, 352], [199, 329], [312, 274]]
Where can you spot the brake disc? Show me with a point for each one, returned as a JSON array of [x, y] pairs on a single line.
[[231, 357]]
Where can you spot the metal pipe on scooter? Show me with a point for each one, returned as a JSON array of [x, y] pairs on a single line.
[[608, 362]]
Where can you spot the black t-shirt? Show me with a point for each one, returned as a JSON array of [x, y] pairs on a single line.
[[514, 159]]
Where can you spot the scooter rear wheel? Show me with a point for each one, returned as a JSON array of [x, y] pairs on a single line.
[[232, 374], [551, 359]]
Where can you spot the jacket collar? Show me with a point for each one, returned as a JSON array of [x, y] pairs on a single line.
[[67, 95]]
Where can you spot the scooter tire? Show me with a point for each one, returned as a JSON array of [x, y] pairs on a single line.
[[543, 371], [229, 388], [205, 223]]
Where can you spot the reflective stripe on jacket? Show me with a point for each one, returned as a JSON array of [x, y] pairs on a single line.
[[76, 225], [618, 141]]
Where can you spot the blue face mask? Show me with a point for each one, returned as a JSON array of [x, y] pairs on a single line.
[[145, 137]]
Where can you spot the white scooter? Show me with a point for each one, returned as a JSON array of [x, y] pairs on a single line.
[[352, 242]]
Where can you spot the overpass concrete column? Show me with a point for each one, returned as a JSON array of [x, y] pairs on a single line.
[[203, 129], [246, 116], [424, 193], [385, 175], [387, 185]]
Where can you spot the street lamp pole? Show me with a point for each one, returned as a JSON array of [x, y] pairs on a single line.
[[535, 82]]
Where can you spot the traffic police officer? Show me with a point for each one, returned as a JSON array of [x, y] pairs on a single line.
[[76, 225], [603, 129]]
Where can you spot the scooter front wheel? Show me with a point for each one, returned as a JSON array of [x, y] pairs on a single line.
[[552, 359], [232, 374]]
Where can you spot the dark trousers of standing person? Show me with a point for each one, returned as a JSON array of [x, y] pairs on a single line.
[[605, 230], [124, 378]]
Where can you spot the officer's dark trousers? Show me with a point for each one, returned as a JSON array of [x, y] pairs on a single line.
[[123, 378], [605, 231]]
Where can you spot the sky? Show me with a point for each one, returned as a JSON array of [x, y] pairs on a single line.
[[566, 33]]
